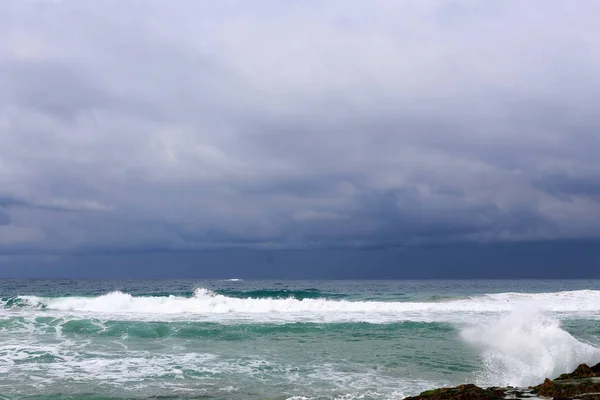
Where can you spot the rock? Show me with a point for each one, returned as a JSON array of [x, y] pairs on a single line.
[[586, 396], [581, 384], [568, 388], [582, 371], [462, 392]]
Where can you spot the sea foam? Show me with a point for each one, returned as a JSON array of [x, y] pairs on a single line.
[[208, 305], [518, 336]]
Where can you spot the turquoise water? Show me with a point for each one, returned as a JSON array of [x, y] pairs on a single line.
[[239, 339]]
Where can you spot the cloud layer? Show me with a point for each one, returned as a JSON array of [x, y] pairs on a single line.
[[186, 125]]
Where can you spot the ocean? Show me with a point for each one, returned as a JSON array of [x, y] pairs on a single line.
[[238, 339]]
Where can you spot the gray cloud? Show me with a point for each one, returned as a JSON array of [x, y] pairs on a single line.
[[342, 124], [4, 218]]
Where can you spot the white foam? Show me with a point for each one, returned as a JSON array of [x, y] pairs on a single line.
[[206, 305], [518, 336], [366, 395], [193, 371], [526, 346]]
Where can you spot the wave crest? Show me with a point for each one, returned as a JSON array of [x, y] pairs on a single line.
[[524, 347], [205, 304]]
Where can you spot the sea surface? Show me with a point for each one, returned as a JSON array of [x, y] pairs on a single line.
[[237, 339]]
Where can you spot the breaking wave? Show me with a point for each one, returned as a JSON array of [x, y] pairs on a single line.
[[526, 346], [518, 336], [268, 306], [281, 294]]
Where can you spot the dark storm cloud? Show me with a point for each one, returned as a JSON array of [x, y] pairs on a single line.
[[4, 218], [566, 186], [186, 125]]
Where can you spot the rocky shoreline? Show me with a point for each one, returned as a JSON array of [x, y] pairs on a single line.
[[581, 384]]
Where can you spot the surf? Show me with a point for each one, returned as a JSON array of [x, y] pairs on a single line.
[[269, 306]]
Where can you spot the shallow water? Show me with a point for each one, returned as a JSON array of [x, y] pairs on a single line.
[[288, 339]]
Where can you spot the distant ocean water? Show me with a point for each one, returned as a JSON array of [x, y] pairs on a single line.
[[236, 339]]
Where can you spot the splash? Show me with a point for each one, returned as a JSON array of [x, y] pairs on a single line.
[[526, 346]]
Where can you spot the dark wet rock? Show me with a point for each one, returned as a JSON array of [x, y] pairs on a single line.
[[586, 396], [581, 384], [582, 371], [568, 388], [462, 392]]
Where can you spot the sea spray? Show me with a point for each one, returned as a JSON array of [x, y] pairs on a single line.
[[525, 346]]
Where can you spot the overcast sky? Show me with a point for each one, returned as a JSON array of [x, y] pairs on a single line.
[[171, 126]]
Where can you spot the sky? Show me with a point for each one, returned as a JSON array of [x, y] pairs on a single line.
[[339, 138]]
